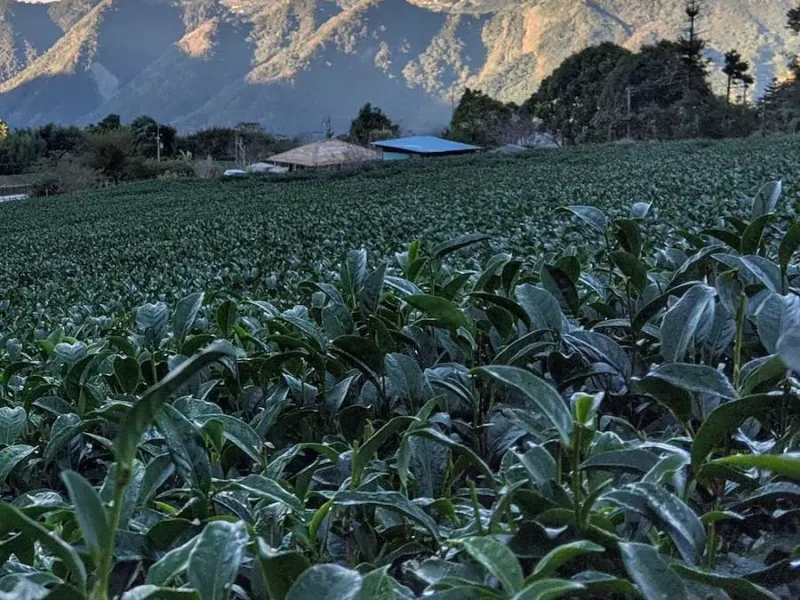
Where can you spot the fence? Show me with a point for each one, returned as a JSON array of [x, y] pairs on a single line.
[[20, 189]]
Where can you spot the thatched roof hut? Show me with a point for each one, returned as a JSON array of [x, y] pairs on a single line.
[[327, 153]]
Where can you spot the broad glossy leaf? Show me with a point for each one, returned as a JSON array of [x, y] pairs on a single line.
[[393, 501], [266, 488], [12, 424], [632, 461], [454, 245], [693, 378], [787, 464], [215, 559], [590, 215], [186, 447], [633, 269], [144, 412], [682, 322], [89, 511], [789, 245], [736, 587], [549, 589], [497, 559], [13, 519], [153, 592], [10, 457], [650, 572], [185, 314], [326, 582], [440, 309], [280, 569], [538, 394], [561, 555], [766, 199], [542, 308], [172, 564]]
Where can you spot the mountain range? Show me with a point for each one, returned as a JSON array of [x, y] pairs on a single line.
[[292, 64]]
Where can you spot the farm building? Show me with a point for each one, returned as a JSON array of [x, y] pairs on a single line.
[[327, 153], [424, 145]]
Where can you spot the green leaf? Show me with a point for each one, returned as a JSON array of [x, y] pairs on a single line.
[[752, 236], [560, 285], [633, 269], [89, 511], [497, 559], [153, 592], [682, 321], [789, 245], [268, 489], [451, 246], [239, 433], [549, 589], [326, 582], [766, 199], [630, 236], [693, 378], [12, 518], [377, 585], [185, 314], [538, 394], [215, 559], [680, 521], [280, 569], [787, 464], [10, 457], [724, 420], [504, 303], [227, 313], [144, 412], [353, 271], [12, 424], [404, 377], [126, 370], [561, 555], [632, 461], [590, 215], [172, 564], [649, 571], [543, 309], [467, 453], [186, 447], [393, 501], [373, 286], [365, 453], [443, 311], [736, 587]]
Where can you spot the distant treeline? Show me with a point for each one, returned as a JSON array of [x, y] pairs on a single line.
[[607, 93]]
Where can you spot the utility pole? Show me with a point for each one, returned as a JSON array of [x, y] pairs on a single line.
[[629, 94], [158, 142]]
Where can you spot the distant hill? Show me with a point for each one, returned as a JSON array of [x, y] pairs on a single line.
[[291, 63]]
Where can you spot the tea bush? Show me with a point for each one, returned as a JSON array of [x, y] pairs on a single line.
[[594, 403]]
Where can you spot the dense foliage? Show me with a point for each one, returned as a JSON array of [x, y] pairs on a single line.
[[589, 402]]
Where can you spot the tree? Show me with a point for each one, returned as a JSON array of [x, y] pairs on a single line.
[[653, 94], [111, 123], [4, 129], [481, 120], [567, 100], [736, 70], [371, 119], [794, 20], [60, 140], [147, 133]]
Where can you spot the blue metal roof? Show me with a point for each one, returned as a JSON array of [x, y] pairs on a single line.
[[426, 144]]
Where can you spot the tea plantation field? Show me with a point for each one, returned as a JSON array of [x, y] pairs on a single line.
[[567, 375]]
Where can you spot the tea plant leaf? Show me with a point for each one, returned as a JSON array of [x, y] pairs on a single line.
[[549, 589], [681, 322], [766, 199], [649, 571], [593, 217], [632, 268], [454, 245], [789, 245], [543, 310], [693, 378], [89, 511], [326, 582], [537, 393], [215, 559], [12, 518], [185, 315], [787, 465], [268, 489], [11, 456], [497, 559], [736, 587], [391, 500], [561, 555], [12, 424], [280, 569], [172, 564], [153, 592], [443, 311], [144, 412]]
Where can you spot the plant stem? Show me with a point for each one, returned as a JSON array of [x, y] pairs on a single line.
[[576, 476], [737, 350], [100, 588]]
